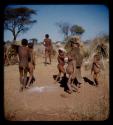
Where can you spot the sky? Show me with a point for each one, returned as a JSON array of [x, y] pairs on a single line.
[[93, 18]]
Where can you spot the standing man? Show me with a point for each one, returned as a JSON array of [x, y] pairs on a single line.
[[23, 53], [48, 48]]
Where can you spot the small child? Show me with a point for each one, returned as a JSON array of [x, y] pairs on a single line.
[[61, 62], [96, 67]]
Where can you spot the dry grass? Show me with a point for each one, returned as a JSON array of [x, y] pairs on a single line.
[[92, 103]]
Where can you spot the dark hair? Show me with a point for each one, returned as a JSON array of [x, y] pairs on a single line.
[[59, 50], [47, 35], [24, 42], [30, 45]]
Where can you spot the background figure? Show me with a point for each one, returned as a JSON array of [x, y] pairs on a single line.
[[23, 53], [48, 48], [6, 59], [31, 63], [95, 70]]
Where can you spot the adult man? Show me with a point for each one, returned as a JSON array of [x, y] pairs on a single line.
[[23, 53], [48, 48]]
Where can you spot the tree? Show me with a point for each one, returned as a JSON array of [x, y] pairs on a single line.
[[76, 30], [64, 27], [18, 20]]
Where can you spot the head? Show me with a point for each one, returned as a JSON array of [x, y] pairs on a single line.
[[30, 45], [61, 50], [46, 35], [97, 57], [24, 42]]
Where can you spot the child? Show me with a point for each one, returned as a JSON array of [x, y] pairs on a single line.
[[31, 64], [61, 62], [95, 70]]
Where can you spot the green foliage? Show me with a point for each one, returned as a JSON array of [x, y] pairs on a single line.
[[76, 30], [18, 20]]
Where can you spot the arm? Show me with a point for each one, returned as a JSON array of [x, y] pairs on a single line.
[[92, 69], [43, 42], [69, 56], [74, 66], [34, 58]]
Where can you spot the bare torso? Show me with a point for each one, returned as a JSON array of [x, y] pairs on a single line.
[[47, 44], [23, 53]]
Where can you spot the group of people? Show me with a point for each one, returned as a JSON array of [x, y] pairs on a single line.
[[74, 60], [69, 63], [26, 56]]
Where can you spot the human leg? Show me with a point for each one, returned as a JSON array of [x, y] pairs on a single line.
[[30, 75], [21, 78], [69, 85]]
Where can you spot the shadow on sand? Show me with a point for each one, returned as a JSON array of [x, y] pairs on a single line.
[[63, 81], [89, 81]]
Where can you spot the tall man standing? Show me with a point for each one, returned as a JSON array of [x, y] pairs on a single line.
[[48, 48]]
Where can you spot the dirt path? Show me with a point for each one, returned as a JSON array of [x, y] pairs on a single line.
[[48, 101]]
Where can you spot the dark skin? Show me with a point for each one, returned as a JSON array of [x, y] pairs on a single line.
[[72, 64], [23, 53], [48, 47], [95, 70], [61, 64], [70, 70], [31, 65], [6, 60]]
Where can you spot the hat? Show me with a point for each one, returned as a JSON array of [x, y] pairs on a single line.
[[62, 49]]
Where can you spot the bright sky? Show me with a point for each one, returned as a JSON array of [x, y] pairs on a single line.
[[93, 18]]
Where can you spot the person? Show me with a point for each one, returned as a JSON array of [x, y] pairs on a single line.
[[77, 57], [61, 63], [74, 65], [48, 48], [31, 64], [6, 60], [95, 70], [23, 54]]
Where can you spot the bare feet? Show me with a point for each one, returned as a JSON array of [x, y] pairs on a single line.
[[27, 87], [69, 91]]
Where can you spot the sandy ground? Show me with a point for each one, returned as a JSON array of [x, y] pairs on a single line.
[[47, 101]]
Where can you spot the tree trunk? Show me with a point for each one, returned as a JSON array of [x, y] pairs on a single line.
[[14, 37]]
